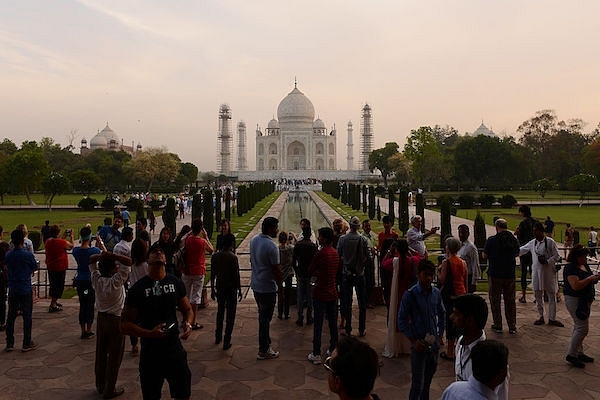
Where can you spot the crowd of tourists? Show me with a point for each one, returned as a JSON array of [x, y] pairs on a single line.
[[136, 288]]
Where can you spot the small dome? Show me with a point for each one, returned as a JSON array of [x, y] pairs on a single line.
[[98, 142], [273, 124], [318, 124], [109, 133], [483, 130], [296, 107]]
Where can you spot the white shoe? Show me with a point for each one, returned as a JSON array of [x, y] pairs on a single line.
[[316, 360], [269, 354]]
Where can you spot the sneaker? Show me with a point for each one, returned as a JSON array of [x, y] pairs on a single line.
[[586, 359], [575, 362], [497, 329], [28, 347], [9, 349], [54, 309], [554, 322], [539, 321], [268, 355], [315, 359], [328, 353], [87, 335], [512, 331]]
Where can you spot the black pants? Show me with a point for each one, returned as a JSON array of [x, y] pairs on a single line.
[[227, 301], [283, 305]]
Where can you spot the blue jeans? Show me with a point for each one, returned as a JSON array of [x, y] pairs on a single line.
[[423, 365], [23, 302], [226, 299], [303, 293], [329, 310], [357, 282], [266, 307]]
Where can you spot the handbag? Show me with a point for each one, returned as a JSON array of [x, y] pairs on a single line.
[[179, 260], [583, 308]]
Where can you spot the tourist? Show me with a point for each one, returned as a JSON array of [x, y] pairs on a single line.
[[370, 266], [83, 280], [549, 226], [592, 241], [264, 280], [384, 241], [140, 229], [304, 251], [108, 280], [150, 313], [110, 234], [353, 368], [545, 255], [500, 251], [416, 238], [225, 230], [579, 293], [57, 263], [337, 226], [139, 269], [286, 251], [196, 247], [422, 319], [354, 252], [323, 269], [468, 252], [225, 270], [490, 369], [569, 238], [45, 231], [404, 266], [20, 265], [4, 248], [27, 243], [167, 245], [453, 276], [525, 234], [123, 248], [125, 215]]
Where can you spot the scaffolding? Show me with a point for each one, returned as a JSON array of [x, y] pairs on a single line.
[[224, 141], [366, 138], [242, 161], [350, 150]]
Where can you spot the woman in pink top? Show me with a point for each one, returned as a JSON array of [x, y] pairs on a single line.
[[453, 275], [196, 247]]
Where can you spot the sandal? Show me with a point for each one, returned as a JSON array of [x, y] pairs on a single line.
[[446, 356]]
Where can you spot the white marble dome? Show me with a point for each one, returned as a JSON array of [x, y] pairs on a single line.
[[296, 107], [273, 124], [98, 142], [318, 124]]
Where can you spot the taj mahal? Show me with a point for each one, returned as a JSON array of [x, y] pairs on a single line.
[[293, 146]]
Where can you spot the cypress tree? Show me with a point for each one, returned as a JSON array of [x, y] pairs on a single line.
[[169, 215], [420, 209], [207, 212], [228, 204], [446, 227], [218, 212], [403, 221], [371, 202], [391, 205]]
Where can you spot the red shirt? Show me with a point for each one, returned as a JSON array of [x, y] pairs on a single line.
[[195, 255], [324, 266], [57, 258], [382, 236]]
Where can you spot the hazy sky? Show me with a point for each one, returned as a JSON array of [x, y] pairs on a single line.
[[157, 71]]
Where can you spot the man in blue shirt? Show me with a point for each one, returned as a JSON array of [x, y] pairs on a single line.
[[265, 278], [422, 319], [21, 264]]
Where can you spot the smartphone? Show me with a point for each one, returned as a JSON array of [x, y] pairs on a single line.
[[168, 327]]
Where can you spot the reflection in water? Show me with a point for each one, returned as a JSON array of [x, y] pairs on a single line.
[[299, 205]]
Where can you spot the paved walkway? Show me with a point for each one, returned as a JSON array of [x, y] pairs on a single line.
[[62, 366]]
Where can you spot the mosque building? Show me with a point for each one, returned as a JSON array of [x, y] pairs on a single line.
[[293, 146], [107, 139]]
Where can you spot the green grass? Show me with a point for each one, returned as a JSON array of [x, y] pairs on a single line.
[[39, 199], [241, 226], [522, 196]]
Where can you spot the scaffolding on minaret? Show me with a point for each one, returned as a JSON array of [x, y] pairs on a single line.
[[366, 138], [224, 141], [350, 149], [242, 161]]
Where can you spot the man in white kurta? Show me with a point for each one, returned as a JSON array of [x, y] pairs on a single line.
[[543, 275]]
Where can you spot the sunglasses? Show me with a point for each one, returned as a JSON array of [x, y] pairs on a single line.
[[327, 365]]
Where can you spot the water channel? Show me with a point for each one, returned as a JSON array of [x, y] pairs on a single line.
[[299, 205]]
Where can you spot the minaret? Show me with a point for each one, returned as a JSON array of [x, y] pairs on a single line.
[[350, 156], [242, 162], [224, 141], [366, 138]]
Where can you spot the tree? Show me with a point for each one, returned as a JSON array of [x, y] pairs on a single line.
[[403, 219], [401, 168], [85, 181], [445, 217], [208, 212], [152, 166], [379, 159], [391, 205], [428, 165], [189, 173], [55, 183], [583, 183], [543, 185], [169, 215], [27, 167]]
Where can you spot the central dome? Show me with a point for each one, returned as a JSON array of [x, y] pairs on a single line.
[[296, 107]]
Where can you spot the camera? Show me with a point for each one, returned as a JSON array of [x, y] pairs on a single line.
[[67, 232], [542, 259]]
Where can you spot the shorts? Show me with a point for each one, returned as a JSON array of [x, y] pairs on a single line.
[[193, 287], [156, 365]]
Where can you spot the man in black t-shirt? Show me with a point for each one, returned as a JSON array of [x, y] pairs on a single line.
[[151, 313], [525, 234]]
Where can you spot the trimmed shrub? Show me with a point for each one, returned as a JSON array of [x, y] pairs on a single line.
[[87, 204], [466, 201], [109, 204], [487, 200], [507, 201], [36, 239]]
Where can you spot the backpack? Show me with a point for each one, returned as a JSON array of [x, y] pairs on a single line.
[[179, 260]]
